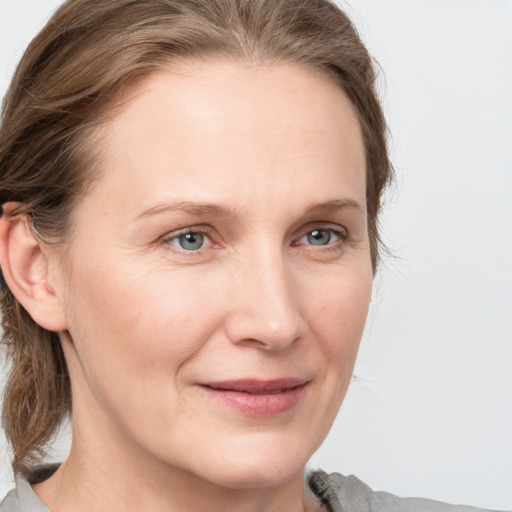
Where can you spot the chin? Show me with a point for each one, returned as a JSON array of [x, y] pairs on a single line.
[[257, 477], [257, 465]]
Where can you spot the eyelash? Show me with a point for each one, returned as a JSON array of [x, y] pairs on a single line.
[[340, 233]]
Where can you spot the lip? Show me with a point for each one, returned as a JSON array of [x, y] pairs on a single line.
[[253, 397]]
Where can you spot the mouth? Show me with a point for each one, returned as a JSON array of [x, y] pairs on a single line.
[[257, 397]]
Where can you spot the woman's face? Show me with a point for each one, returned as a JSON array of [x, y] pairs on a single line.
[[217, 281]]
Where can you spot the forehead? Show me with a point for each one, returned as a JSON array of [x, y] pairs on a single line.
[[215, 126]]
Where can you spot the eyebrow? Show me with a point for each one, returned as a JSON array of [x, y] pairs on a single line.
[[199, 209], [334, 206], [189, 207]]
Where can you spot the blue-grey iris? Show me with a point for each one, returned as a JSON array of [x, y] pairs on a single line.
[[191, 241], [319, 237]]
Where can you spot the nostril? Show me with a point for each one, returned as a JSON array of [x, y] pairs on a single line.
[[253, 343]]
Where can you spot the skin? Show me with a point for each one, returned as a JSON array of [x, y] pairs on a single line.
[[276, 153]]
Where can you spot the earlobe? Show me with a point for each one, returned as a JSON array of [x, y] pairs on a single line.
[[25, 267]]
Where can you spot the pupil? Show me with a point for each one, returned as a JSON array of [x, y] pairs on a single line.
[[191, 241], [319, 237]]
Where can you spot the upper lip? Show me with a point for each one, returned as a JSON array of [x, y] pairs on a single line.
[[256, 386]]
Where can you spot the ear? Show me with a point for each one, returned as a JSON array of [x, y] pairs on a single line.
[[25, 267]]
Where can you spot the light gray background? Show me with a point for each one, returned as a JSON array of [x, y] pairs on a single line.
[[430, 412]]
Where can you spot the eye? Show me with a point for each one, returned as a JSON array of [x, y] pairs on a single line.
[[321, 237], [188, 241]]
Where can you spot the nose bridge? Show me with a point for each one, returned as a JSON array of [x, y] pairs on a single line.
[[268, 312]]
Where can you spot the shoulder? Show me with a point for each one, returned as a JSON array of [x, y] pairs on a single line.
[[349, 494], [23, 498], [10, 503]]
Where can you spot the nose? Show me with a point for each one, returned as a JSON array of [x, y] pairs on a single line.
[[265, 310]]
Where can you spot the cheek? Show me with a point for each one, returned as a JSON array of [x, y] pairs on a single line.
[[133, 335], [337, 318], [338, 306], [136, 321], [336, 315]]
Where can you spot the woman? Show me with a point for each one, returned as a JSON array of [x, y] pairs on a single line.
[[190, 197]]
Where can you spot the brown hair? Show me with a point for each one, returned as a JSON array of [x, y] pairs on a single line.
[[69, 77]]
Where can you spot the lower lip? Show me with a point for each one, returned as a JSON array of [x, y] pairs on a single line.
[[261, 405]]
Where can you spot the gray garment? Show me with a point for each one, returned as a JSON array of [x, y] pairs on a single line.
[[23, 498], [338, 493], [348, 494]]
